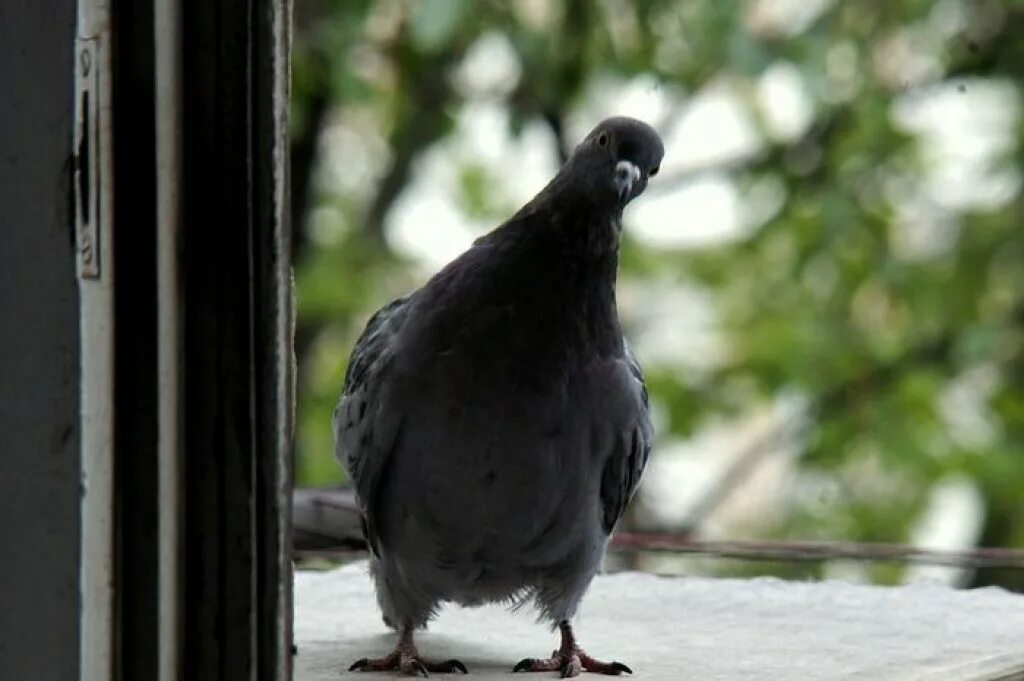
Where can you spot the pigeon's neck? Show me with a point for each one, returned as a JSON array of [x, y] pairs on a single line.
[[573, 284], [553, 270], [589, 302]]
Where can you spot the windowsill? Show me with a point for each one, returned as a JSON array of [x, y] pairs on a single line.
[[693, 628]]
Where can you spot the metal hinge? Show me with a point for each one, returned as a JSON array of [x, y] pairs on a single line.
[[87, 158]]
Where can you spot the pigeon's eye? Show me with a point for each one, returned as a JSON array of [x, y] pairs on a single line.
[[602, 139], [654, 171]]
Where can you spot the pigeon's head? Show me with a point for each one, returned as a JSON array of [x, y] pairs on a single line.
[[616, 160]]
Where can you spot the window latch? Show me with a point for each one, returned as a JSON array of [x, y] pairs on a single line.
[[87, 158]]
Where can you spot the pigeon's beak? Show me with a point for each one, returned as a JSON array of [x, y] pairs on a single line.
[[625, 176]]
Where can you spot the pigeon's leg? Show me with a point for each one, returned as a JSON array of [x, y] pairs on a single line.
[[406, 659], [570, 659]]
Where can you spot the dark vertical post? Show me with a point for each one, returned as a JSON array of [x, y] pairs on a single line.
[[273, 306], [237, 358], [136, 398]]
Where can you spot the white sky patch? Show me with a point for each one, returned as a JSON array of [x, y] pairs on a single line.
[[537, 14], [716, 127], [964, 407], [427, 223], [784, 101], [353, 157], [908, 57], [643, 97], [843, 76], [683, 471], [326, 224], [678, 475], [429, 228], [948, 17], [952, 521], [671, 323], [963, 126], [490, 67], [783, 17], [528, 161], [921, 230], [699, 214], [482, 133], [762, 201], [532, 161]]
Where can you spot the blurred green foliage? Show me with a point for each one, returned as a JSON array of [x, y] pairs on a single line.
[[819, 302]]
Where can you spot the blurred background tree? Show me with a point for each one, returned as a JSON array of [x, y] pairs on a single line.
[[825, 284]]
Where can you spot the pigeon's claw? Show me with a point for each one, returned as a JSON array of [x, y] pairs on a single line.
[[571, 664], [570, 660], [597, 666], [408, 662], [406, 659], [377, 664]]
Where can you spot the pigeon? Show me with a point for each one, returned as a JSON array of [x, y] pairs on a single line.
[[495, 423]]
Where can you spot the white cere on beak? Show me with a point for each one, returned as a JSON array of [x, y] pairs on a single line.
[[626, 173]]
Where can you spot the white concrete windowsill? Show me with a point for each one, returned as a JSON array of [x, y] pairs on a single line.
[[692, 628]]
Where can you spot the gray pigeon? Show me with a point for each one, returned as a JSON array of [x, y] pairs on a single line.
[[494, 422]]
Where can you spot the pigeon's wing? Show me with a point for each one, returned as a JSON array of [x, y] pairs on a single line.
[[365, 429], [631, 437]]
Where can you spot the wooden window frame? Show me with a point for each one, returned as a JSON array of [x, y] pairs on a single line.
[[187, 367]]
